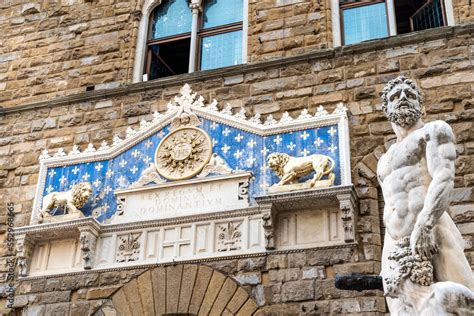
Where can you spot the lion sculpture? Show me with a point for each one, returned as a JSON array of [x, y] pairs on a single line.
[[290, 169], [71, 201]]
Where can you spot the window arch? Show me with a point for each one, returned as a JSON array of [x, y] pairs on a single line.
[[180, 36]]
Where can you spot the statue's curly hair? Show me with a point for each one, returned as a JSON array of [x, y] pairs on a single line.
[[392, 83]]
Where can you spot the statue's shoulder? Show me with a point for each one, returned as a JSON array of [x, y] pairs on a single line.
[[439, 130]]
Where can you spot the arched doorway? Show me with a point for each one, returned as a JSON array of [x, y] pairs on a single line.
[[183, 289]]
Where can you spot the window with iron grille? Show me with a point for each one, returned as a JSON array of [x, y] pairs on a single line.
[[366, 20]]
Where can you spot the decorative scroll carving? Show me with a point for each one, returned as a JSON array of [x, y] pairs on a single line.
[[71, 201], [149, 175], [347, 207], [128, 248], [120, 206], [183, 153], [24, 249], [216, 165], [290, 169], [88, 242], [244, 190], [230, 237], [268, 218]]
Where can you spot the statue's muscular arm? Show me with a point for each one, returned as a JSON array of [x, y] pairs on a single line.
[[440, 158]]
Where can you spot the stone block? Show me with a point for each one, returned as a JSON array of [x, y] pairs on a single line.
[[145, 289], [364, 93], [273, 85], [401, 51], [101, 292], [135, 109], [102, 38], [251, 264], [133, 297], [459, 195], [251, 278], [277, 261], [325, 257], [314, 273], [224, 296], [237, 300], [52, 297], [248, 308], [297, 291], [315, 308], [460, 77], [158, 276], [59, 309], [380, 128], [462, 213], [79, 309], [173, 284], [121, 304], [215, 285], [296, 259], [200, 286], [284, 275], [233, 80], [187, 283]]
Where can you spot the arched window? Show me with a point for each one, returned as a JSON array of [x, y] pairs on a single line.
[[216, 35]]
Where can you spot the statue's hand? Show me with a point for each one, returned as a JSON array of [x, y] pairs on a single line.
[[423, 242]]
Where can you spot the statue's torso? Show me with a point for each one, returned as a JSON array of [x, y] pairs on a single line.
[[404, 178]]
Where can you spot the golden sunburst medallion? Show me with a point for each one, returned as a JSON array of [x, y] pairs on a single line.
[[183, 153]]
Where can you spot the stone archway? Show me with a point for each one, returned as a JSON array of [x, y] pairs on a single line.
[[183, 289]]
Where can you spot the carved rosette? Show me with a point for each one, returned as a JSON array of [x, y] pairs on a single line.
[[183, 153], [229, 237], [128, 248]]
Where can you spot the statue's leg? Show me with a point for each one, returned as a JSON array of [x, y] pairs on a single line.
[[287, 178], [450, 264], [71, 208], [395, 306]]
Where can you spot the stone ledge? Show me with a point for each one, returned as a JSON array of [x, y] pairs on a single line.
[[267, 253], [374, 45]]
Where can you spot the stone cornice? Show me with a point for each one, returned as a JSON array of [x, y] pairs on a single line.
[[374, 45], [192, 261]]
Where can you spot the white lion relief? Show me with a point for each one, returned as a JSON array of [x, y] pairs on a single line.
[[291, 169], [71, 201]]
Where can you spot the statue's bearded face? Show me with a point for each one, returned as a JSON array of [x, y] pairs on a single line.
[[403, 105]]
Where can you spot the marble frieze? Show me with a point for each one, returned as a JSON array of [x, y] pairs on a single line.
[[196, 182]]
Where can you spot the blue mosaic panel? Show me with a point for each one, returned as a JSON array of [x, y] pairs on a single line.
[[243, 151], [365, 23]]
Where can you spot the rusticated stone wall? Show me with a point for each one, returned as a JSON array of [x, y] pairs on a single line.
[[463, 11], [288, 27], [51, 49], [439, 60], [289, 283]]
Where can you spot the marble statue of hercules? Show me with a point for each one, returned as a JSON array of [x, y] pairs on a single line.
[[417, 176]]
